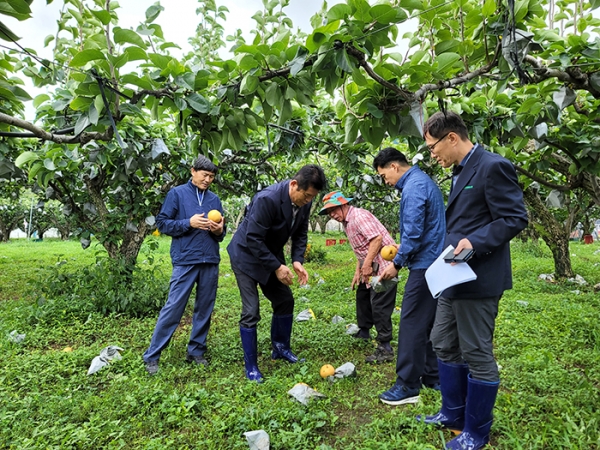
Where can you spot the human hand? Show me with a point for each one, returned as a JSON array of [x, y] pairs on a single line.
[[366, 272], [285, 275], [216, 228], [355, 279], [389, 272], [301, 272], [200, 222]]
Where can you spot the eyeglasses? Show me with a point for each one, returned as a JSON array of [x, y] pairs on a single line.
[[432, 146]]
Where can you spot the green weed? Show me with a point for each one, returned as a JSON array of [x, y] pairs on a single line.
[[547, 344]]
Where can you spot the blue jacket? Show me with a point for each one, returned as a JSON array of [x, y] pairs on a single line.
[[257, 245], [422, 222], [189, 245], [485, 206]]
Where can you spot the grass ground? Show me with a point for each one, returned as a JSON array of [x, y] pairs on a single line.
[[547, 343]]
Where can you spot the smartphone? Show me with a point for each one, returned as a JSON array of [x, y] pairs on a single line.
[[463, 256]]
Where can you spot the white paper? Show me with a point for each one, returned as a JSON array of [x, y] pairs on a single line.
[[441, 275]]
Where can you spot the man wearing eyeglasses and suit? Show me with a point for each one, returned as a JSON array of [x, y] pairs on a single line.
[[485, 211]]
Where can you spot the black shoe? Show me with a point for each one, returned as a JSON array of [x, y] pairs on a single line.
[[197, 359], [382, 354], [363, 334], [151, 367]]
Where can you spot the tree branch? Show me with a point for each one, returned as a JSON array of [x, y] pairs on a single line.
[[558, 187], [362, 62], [572, 75], [40, 133]]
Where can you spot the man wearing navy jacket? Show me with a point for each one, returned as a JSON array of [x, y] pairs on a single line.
[[276, 214], [485, 211], [195, 258]]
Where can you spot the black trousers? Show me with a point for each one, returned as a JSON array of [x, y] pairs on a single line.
[[416, 360], [374, 308], [464, 332], [277, 293]]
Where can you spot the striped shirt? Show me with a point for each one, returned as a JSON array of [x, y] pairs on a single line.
[[362, 227]]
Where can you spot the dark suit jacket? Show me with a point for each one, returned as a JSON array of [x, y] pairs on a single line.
[[485, 206], [257, 245]]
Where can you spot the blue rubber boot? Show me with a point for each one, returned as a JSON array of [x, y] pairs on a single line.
[[453, 385], [281, 332], [249, 345], [478, 416]]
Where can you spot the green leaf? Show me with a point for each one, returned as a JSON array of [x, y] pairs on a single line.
[[595, 79], [272, 94], [103, 16], [153, 12], [564, 97], [383, 14], [445, 61], [25, 158], [489, 8], [350, 128], [187, 80], [82, 123], [6, 34], [7, 10], [135, 54], [122, 36], [81, 103], [20, 6], [136, 81], [286, 112], [93, 114], [297, 64], [343, 61], [338, 12], [39, 99], [362, 10], [84, 57], [49, 164], [249, 84], [198, 102]]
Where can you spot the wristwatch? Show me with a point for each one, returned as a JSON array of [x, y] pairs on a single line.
[[397, 266]]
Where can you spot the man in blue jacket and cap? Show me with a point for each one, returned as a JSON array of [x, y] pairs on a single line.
[[275, 215], [195, 258]]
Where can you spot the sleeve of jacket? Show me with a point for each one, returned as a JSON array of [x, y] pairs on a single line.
[[504, 199], [167, 221], [300, 237], [413, 224], [260, 221]]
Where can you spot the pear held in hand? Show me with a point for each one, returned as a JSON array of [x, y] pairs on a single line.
[[214, 215], [388, 252]]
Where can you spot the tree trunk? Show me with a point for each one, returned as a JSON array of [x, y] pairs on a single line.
[[552, 232], [529, 233]]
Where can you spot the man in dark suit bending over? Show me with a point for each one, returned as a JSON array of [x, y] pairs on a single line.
[[485, 211], [276, 214]]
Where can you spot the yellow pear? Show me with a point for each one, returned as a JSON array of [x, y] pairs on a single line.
[[327, 371], [388, 252], [214, 215]]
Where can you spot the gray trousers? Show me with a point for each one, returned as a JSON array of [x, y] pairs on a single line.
[[463, 332]]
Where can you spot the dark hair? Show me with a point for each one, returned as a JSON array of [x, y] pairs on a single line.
[[311, 175], [389, 155], [203, 163], [443, 123]]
